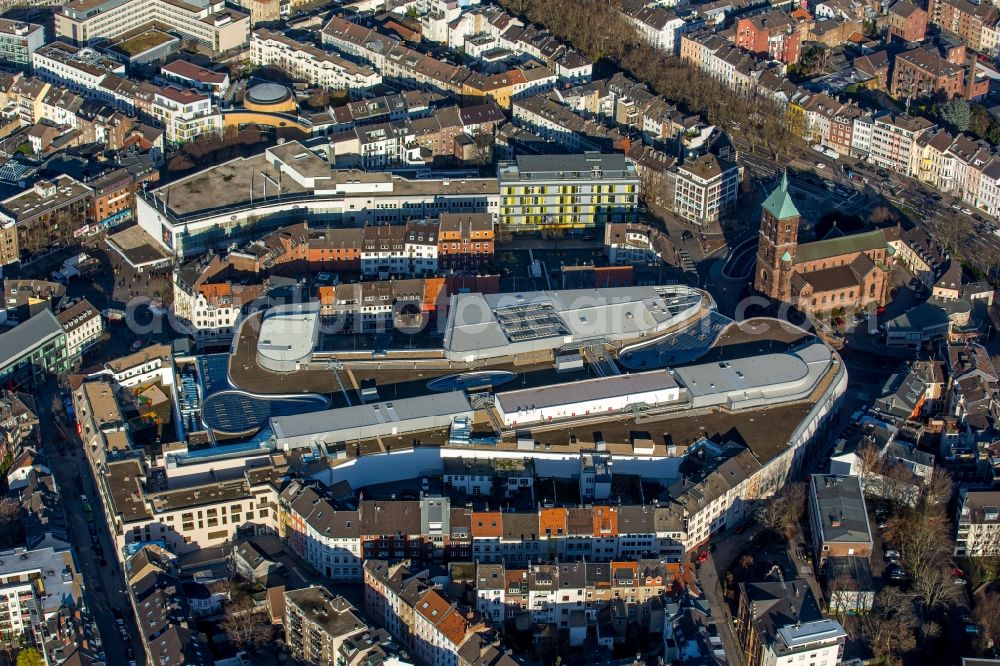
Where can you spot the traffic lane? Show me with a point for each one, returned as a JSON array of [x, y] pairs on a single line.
[[103, 585]]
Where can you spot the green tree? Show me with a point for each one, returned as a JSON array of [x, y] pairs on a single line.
[[30, 657], [957, 114], [979, 120], [993, 133]]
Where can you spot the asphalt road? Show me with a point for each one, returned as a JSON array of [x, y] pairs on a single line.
[[103, 584]]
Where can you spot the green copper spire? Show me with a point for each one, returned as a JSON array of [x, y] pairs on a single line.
[[779, 202]]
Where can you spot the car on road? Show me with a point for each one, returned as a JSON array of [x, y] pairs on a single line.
[[892, 554], [703, 556], [820, 165], [956, 206], [967, 211], [960, 581]]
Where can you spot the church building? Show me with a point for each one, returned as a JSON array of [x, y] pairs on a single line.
[[836, 272]]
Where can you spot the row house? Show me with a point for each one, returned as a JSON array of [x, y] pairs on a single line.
[[114, 193], [937, 163], [553, 593], [659, 27], [325, 535], [718, 497], [774, 36], [553, 122], [61, 106], [977, 25], [894, 142], [569, 533], [912, 146], [407, 105], [526, 41], [375, 147], [393, 60], [211, 296], [731, 66], [305, 62], [414, 609]]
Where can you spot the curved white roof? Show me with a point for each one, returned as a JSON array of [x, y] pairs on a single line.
[[288, 335]]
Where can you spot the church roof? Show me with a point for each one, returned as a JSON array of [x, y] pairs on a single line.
[[779, 202], [839, 277], [834, 247]]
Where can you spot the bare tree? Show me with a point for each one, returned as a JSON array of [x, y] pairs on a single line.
[[246, 625], [871, 462], [843, 595], [889, 627], [938, 489], [987, 614], [898, 486], [781, 513], [935, 587]]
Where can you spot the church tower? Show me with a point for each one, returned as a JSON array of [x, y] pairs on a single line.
[[779, 235]]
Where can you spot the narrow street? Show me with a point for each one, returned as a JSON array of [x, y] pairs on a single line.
[[708, 578], [103, 584]]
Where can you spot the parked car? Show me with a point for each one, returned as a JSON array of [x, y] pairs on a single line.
[[703, 556], [892, 554], [896, 572], [960, 581]]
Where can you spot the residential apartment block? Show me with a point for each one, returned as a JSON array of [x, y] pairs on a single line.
[[84, 327], [317, 623], [921, 74], [780, 623], [18, 41], [705, 188], [567, 191], [978, 520], [185, 114], [907, 22], [566, 594], [305, 62]]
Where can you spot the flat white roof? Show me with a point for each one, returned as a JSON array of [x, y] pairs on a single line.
[[289, 333], [754, 372], [602, 388], [811, 632], [371, 417], [478, 322]]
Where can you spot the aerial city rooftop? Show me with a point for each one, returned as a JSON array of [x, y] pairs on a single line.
[[433, 333]]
